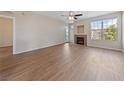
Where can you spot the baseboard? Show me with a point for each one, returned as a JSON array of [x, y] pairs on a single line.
[[105, 48], [5, 46], [19, 52]]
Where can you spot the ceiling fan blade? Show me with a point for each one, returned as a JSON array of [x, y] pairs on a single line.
[[75, 18], [79, 15]]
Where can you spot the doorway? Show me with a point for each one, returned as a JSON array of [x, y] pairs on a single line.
[[67, 34], [6, 36]]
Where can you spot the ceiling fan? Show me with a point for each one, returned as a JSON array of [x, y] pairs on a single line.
[[72, 16]]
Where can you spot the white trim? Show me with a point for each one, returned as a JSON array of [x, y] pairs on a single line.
[[13, 32], [14, 35], [105, 47]]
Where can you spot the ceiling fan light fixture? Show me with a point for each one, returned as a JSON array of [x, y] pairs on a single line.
[[71, 18]]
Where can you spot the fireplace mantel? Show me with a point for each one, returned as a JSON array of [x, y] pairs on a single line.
[[83, 36]]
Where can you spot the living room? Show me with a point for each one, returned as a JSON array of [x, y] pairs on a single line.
[[61, 46], [58, 35]]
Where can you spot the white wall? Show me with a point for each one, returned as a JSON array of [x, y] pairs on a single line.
[[117, 44], [33, 31], [36, 31], [6, 32], [123, 30]]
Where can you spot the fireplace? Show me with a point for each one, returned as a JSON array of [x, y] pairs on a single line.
[[81, 39]]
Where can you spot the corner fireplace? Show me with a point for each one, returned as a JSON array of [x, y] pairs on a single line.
[[81, 39]]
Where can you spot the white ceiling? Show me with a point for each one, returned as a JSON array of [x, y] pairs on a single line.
[[86, 14], [57, 14]]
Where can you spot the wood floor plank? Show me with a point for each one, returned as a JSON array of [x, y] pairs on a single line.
[[62, 62]]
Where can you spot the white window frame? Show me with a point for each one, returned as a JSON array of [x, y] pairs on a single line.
[[101, 38]]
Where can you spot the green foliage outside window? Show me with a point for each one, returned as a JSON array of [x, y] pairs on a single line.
[[110, 32]]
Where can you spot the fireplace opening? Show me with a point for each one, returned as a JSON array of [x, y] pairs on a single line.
[[80, 40]]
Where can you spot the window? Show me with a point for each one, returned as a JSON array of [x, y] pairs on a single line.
[[96, 27], [104, 29], [109, 29], [67, 34]]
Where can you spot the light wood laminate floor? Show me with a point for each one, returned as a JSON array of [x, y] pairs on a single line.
[[5, 51], [63, 62]]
